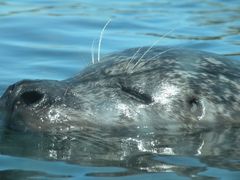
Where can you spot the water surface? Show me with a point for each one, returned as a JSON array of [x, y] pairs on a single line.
[[53, 39]]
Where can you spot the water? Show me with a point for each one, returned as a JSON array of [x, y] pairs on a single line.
[[52, 40]]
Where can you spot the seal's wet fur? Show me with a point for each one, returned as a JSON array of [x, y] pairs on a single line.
[[170, 89]]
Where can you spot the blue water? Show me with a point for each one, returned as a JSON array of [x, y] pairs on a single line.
[[51, 39]]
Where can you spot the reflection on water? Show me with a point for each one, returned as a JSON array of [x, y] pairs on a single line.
[[189, 155], [52, 40]]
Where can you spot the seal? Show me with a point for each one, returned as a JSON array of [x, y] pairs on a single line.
[[140, 89]]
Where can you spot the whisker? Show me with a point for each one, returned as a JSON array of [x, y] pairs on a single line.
[[159, 54], [163, 36], [92, 51], [133, 57], [100, 39], [66, 91]]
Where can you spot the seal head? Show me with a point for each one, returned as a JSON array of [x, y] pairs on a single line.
[[165, 89]]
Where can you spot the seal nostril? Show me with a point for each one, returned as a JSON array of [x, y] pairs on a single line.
[[31, 97]]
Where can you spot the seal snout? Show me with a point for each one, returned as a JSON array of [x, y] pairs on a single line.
[[21, 94]]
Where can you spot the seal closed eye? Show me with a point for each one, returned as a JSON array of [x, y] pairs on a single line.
[[137, 94]]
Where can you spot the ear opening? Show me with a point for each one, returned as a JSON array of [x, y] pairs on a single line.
[[195, 105]]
